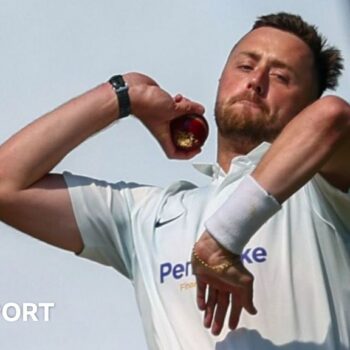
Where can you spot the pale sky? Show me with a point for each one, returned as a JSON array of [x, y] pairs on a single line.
[[53, 51]]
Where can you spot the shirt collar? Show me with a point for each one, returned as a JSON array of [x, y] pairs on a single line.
[[252, 158]]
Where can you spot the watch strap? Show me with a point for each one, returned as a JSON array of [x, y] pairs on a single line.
[[122, 91]]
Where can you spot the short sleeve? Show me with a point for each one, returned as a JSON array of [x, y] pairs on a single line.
[[103, 214], [330, 203]]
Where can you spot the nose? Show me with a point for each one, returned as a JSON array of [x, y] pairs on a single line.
[[258, 82]]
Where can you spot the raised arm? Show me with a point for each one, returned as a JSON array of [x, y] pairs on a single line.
[[317, 140], [36, 202]]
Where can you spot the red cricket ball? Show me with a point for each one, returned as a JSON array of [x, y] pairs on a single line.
[[189, 132]]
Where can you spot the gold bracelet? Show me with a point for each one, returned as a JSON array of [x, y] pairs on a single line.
[[219, 268]]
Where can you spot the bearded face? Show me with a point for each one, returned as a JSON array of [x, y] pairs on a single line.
[[268, 79], [246, 116]]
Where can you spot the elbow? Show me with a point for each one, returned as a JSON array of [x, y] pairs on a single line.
[[3, 189], [3, 197], [333, 119], [3, 185], [6, 191]]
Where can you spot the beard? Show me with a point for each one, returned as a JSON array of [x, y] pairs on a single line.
[[249, 122]]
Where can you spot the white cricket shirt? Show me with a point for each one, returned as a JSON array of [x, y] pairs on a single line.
[[300, 259]]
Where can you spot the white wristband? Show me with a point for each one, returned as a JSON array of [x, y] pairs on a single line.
[[243, 213]]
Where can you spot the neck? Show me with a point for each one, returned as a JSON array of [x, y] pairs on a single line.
[[228, 149]]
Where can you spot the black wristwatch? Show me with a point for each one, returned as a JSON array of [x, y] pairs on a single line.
[[122, 92]]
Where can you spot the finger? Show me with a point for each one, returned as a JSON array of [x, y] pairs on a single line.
[[177, 98], [243, 279], [247, 295], [201, 290], [210, 307], [220, 312], [236, 310], [186, 106]]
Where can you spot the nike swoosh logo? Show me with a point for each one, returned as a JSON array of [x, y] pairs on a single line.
[[161, 223]]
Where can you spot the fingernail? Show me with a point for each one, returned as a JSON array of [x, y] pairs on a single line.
[[233, 326], [215, 330], [202, 304]]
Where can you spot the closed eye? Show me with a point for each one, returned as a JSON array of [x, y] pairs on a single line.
[[280, 77], [245, 67]]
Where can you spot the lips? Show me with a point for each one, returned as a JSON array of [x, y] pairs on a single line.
[[250, 103]]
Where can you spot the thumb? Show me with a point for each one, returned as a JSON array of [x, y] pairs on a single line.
[[184, 105]]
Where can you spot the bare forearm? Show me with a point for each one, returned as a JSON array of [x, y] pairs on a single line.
[[310, 141], [304, 147], [38, 203], [35, 150]]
